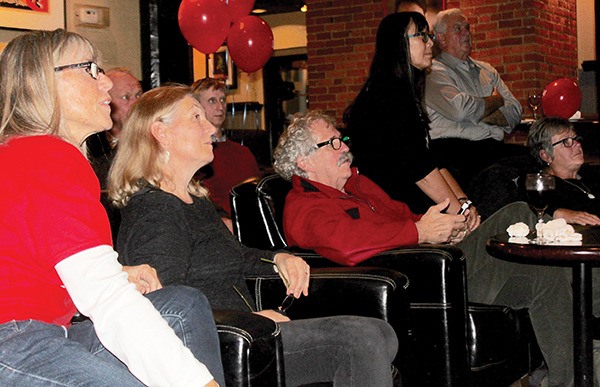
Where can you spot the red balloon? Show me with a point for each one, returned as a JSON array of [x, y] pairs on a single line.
[[561, 98], [204, 23], [239, 8], [250, 43]]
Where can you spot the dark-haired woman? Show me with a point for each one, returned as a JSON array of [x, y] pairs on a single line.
[[388, 124]]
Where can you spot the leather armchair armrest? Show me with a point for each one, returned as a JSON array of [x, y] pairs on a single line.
[[436, 272], [251, 349], [364, 291], [359, 291]]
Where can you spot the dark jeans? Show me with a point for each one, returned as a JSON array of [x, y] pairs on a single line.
[[545, 290], [348, 350], [34, 353]]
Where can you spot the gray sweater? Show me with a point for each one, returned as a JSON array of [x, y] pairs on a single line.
[[188, 244]]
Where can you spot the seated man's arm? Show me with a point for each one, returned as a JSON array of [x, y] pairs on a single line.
[[492, 104], [444, 96], [509, 113], [344, 236]]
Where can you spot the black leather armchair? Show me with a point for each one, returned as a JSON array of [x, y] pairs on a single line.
[[452, 342], [251, 345]]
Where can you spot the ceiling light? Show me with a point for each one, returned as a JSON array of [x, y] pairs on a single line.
[[304, 8], [259, 10]]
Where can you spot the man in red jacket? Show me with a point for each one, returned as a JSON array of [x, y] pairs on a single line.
[[337, 204], [347, 218]]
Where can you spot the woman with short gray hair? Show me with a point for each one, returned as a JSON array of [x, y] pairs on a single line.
[[554, 144]]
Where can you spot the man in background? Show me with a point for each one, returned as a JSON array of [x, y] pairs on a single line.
[[125, 91], [469, 105], [232, 163]]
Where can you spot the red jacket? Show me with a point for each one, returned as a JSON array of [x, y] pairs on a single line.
[[350, 227]]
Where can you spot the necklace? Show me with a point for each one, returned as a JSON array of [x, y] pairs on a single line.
[[585, 189]]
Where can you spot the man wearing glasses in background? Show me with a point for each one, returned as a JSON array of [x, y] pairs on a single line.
[[469, 105], [125, 92], [347, 218], [233, 162]]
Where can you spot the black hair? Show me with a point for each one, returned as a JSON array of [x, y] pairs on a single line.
[[391, 62]]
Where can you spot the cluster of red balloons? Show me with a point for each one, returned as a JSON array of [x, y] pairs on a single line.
[[206, 24], [561, 98]]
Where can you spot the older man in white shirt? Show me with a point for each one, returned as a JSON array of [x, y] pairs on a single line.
[[469, 105]]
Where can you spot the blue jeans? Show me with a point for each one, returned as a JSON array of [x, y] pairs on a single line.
[[34, 353]]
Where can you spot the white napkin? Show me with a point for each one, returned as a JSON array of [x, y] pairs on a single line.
[[518, 233], [558, 232], [555, 232]]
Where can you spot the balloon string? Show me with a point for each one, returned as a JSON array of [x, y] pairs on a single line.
[[245, 106], [232, 107]]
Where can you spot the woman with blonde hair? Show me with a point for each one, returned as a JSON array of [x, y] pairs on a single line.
[[56, 253], [168, 222]]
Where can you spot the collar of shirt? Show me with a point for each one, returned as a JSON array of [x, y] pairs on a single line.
[[453, 62]]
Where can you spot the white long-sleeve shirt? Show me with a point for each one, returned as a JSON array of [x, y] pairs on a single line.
[[454, 95]]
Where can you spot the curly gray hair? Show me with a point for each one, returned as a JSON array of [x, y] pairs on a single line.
[[297, 141]]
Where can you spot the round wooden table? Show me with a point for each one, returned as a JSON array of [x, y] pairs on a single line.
[[581, 259]]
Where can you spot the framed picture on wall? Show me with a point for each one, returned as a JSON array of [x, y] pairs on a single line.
[[220, 66], [32, 14]]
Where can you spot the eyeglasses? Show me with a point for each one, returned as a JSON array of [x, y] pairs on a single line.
[[424, 36], [285, 304], [569, 141], [335, 142], [90, 67]]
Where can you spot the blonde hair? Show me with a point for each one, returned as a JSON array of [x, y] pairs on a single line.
[[29, 99], [140, 160]]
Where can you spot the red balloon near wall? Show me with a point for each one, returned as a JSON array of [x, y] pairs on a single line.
[[239, 8], [561, 98], [250, 43], [204, 23]]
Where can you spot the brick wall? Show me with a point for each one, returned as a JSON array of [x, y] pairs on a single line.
[[530, 42], [341, 40]]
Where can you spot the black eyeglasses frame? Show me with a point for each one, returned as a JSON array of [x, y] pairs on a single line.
[[425, 36], [566, 140], [331, 141], [90, 67]]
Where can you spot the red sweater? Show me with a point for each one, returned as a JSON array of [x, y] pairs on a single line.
[[233, 163], [350, 227]]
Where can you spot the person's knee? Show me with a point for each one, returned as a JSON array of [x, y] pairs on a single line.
[[181, 301], [365, 334]]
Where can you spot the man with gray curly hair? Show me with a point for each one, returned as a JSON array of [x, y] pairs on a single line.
[[299, 141], [314, 155]]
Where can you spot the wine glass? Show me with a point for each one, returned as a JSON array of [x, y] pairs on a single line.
[[534, 100], [537, 186]]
